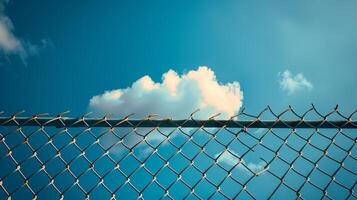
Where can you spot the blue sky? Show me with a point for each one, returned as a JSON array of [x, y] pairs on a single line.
[[93, 46], [57, 56]]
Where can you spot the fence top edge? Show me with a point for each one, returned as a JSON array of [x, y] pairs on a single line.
[[170, 123]]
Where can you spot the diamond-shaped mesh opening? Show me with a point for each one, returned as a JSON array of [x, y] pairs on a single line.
[[283, 157]]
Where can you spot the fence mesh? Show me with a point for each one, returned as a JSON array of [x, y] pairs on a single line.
[[267, 156]]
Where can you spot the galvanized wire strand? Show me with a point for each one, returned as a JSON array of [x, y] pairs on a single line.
[[132, 135]]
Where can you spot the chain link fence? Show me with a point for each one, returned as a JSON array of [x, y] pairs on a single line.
[[266, 156]]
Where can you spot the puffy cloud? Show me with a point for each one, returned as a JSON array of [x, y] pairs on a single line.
[[175, 97], [232, 159], [291, 84]]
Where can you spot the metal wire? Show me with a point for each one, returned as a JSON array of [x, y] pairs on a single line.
[[254, 158]]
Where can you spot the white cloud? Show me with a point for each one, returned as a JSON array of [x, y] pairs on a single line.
[[232, 159], [9, 43], [175, 97], [291, 84], [228, 158]]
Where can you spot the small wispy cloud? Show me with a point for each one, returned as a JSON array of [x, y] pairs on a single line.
[[10, 44], [291, 83], [231, 160], [8, 41]]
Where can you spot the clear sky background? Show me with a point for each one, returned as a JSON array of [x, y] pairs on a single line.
[[58, 55], [73, 50]]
